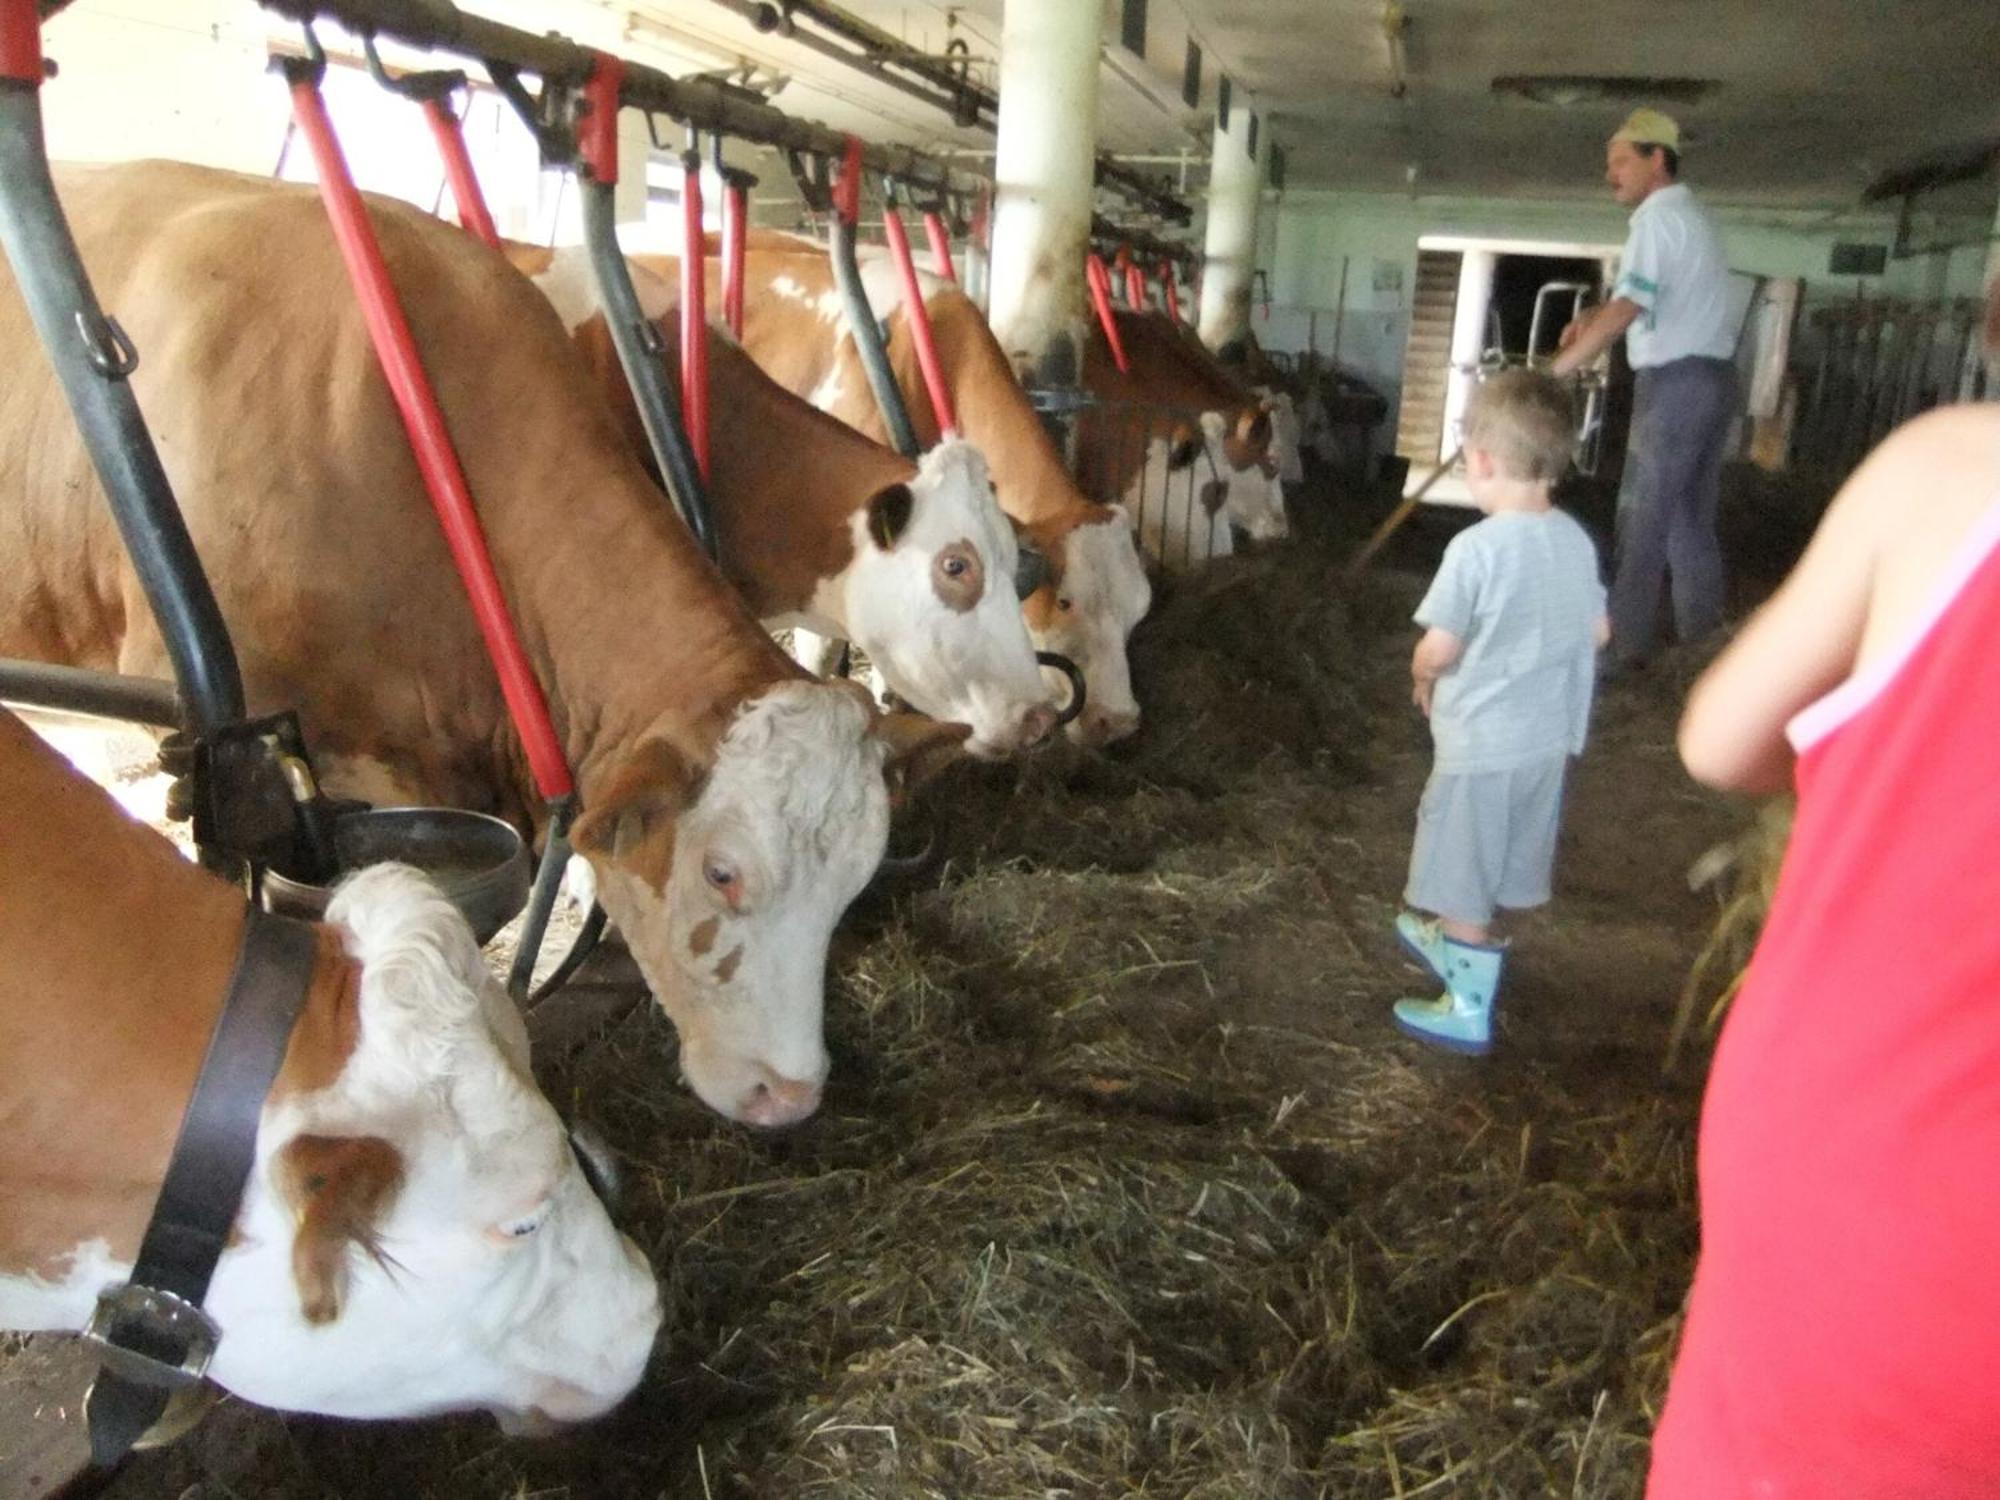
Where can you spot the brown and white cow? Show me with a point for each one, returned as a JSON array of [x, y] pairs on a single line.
[[795, 329], [415, 1235], [733, 806], [824, 530], [1170, 368]]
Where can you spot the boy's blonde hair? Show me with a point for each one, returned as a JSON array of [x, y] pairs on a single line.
[[1524, 419]]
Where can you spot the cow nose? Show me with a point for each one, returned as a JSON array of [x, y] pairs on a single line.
[[779, 1101], [1101, 726]]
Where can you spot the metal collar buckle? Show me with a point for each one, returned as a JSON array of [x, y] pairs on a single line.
[[152, 1337]]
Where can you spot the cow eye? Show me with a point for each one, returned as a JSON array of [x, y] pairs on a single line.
[[954, 567], [1064, 604], [720, 875]]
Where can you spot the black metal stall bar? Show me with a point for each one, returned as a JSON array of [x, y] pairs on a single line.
[[94, 360]]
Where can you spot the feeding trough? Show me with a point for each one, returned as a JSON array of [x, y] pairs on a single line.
[[479, 862]]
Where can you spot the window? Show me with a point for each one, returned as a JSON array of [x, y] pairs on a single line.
[[1253, 138], [1191, 77], [1222, 103], [1132, 29]]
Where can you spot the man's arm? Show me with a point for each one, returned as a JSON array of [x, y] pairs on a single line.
[[1435, 654], [1593, 333]]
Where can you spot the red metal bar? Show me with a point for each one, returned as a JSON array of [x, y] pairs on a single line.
[[1172, 289], [20, 42], [1099, 277], [847, 191], [735, 216], [940, 239], [403, 368], [1135, 286], [597, 135], [450, 138], [920, 322], [694, 312]]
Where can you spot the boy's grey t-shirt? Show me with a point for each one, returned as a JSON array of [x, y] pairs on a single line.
[[1521, 590]]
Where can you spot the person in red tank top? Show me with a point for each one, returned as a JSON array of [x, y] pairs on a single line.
[[1842, 1330]]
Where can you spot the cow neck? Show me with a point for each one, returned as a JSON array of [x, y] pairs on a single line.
[[788, 482], [786, 479], [640, 634], [119, 957], [631, 629], [1028, 473]]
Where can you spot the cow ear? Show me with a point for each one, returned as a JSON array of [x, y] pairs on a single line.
[[1187, 446], [1213, 494], [338, 1188], [919, 748], [654, 785], [1254, 426], [889, 514]]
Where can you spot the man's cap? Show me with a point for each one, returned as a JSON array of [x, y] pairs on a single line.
[[1648, 127]]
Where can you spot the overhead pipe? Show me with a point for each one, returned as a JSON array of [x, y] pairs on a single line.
[[945, 86], [704, 103]]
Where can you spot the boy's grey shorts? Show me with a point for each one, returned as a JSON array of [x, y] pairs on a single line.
[[1486, 839]]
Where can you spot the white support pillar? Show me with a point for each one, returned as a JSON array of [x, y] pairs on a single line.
[[1043, 170], [1229, 250]]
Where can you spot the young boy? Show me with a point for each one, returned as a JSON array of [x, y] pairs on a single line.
[[1504, 672]]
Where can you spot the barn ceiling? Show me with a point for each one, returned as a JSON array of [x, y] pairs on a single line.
[[1806, 99]]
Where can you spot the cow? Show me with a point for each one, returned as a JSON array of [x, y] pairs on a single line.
[[795, 329], [823, 530], [732, 806], [1169, 368], [415, 1235]]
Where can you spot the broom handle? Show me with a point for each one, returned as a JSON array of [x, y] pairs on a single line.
[[1401, 514]]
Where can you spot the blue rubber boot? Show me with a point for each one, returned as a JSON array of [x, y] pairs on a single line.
[[1461, 1019], [1423, 939]]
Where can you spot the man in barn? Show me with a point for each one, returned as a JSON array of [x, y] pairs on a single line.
[[1671, 306]]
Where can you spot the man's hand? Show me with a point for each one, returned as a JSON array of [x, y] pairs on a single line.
[[1420, 693], [1571, 329]]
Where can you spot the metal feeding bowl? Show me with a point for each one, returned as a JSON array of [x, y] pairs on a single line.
[[480, 863]]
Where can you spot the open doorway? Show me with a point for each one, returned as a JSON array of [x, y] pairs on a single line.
[[1482, 305]]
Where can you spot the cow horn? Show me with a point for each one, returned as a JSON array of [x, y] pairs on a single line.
[[1031, 570]]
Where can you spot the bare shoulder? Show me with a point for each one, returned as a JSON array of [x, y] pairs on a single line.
[[1947, 448]]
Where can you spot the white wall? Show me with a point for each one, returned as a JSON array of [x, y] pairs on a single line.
[[1311, 231]]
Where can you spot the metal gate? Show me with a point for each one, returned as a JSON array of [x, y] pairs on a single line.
[[1153, 459]]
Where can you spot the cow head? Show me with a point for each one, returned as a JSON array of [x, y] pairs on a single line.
[[417, 1235], [1087, 611], [1255, 499], [727, 877], [930, 597]]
